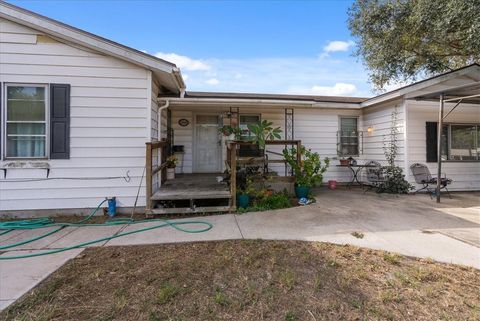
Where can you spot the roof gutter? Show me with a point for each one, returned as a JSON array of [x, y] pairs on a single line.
[[221, 102]]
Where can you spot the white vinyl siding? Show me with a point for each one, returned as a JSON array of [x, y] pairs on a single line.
[[109, 100], [316, 128], [379, 120]]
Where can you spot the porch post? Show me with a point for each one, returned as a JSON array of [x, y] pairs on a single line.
[[439, 147], [233, 174], [148, 171]]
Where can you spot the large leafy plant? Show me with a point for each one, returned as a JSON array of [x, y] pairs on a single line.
[[263, 131], [310, 170]]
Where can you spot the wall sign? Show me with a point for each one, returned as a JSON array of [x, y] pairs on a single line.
[[183, 122]]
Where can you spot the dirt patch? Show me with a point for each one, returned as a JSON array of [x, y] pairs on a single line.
[[251, 280]]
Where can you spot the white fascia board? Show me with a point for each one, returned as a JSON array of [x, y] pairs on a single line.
[[69, 33], [226, 102], [420, 85]]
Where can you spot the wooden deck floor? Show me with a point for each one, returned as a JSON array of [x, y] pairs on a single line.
[[192, 186]]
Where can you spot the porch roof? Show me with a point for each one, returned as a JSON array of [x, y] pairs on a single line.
[[262, 96]]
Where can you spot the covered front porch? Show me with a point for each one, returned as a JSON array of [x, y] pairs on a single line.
[[208, 192]]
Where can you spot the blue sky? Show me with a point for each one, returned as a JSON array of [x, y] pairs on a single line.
[[298, 47]]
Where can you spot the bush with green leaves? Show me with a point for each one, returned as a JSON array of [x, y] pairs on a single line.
[[310, 170]]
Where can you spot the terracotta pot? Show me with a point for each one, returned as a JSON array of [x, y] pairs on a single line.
[[344, 162]]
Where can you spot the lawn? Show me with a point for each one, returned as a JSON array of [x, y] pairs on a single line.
[[251, 280]]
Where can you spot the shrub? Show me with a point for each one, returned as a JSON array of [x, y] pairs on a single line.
[[310, 170], [275, 201]]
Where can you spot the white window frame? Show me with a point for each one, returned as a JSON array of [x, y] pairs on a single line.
[[247, 115], [339, 132], [449, 143], [5, 120]]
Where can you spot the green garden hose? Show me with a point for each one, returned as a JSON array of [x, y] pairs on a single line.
[[33, 224]]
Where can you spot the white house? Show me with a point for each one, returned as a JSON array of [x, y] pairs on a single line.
[[77, 110]]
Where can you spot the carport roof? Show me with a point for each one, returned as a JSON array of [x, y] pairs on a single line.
[[462, 82]]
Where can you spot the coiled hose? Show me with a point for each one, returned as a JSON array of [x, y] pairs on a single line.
[[40, 223]]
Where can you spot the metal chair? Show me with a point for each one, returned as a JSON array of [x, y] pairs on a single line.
[[422, 175], [374, 174]]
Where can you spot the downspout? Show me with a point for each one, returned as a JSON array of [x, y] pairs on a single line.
[[159, 118]]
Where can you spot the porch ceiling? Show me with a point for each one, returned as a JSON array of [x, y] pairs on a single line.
[[469, 94]]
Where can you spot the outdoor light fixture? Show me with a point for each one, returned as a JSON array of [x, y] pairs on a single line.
[[370, 129]]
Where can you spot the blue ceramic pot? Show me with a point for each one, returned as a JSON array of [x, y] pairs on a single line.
[[302, 191], [243, 200]]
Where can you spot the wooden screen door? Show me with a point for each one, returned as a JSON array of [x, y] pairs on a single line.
[[207, 144]]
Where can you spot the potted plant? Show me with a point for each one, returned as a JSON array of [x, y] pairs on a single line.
[[310, 170], [244, 194], [171, 163], [263, 131], [231, 132], [344, 161]]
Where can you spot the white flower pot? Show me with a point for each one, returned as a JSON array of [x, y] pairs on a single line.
[[170, 173]]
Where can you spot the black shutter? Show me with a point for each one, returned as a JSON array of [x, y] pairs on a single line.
[[431, 130], [59, 121]]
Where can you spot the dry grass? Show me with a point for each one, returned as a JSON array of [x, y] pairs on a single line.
[[251, 280]]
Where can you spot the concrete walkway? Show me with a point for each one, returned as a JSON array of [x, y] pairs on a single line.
[[409, 225]]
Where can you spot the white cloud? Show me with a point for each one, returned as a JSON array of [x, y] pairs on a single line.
[[185, 77], [295, 75], [338, 89], [213, 81], [337, 45], [183, 62]]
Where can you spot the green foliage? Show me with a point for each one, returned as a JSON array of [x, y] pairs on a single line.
[[265, 202], [394, 181], [310, 170], [227, 130], [274, 201], [400, 40], [248, 188], [264, 131]]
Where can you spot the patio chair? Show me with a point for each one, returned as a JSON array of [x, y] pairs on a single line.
[[374, 174], [422, 176]]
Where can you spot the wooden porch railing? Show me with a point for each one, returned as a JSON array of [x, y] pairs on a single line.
[[151, 169], [232, 161]]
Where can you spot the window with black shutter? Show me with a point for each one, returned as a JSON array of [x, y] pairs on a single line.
[[36, 121]]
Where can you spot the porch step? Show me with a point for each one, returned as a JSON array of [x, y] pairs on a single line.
[[189, 210], [188, 194]]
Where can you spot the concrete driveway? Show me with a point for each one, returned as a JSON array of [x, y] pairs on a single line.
[[412, 225]]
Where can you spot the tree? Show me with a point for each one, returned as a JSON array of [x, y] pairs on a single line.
[[400, 40]]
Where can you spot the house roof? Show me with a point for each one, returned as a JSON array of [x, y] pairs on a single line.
[[166, 72], [312, 98]]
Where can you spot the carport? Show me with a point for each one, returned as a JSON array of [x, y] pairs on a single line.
[[451, 90]]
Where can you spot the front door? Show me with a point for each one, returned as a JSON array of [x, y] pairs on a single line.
[[207, 144]]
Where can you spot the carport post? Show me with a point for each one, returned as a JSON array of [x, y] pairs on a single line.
[[439, 148]]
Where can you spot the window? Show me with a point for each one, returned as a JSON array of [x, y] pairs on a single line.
[[25, 121], [461, 142], [348, 137], [246, 120]]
